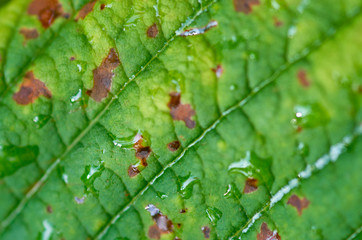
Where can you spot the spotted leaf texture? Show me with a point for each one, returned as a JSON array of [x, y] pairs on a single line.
[[180, 119]]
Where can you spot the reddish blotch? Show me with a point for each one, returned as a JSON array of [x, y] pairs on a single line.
[[174, 146], [302, 78], [181, 112], [152, 31], [245, 6], [46, 10], [218, 70], [206, 231], [29, 33], [298, 203], [267, 234], [163, 225], [86, 9], [102, 76], [251, 185], [30, 90]]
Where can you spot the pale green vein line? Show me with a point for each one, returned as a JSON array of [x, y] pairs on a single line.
[[8, 220], [355, 233], [305, 53], [332, 156]]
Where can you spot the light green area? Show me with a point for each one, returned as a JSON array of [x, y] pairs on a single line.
[[81, 175]]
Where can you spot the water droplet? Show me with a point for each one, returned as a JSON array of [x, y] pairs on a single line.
[[77, 96], [275, 4], [232, 87], [213, 214], [292, 31], [309, 116], [48, 230], [127, 142], [65, 178], [79, 200], [41, 120], [243, 166], [232, 192], [161, 195], [186, 184], [91, 172], [303, 149]]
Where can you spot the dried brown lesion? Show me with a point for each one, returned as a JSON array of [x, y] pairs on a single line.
[[85, 10], [102, 76], [46, 11], [163, 225], [142, 153], [152, 31], [179, 111], [298, 203], [251, 185], [266, 234], [245, 6], [29, 33], [30, 90]]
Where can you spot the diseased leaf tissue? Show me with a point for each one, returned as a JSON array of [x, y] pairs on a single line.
[[180, 119]]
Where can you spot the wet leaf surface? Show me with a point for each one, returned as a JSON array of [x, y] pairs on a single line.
[[225, 119]]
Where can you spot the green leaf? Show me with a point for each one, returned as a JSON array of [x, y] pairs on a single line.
[[180, 119]]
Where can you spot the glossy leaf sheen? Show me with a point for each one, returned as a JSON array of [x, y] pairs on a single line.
[[180, 119]]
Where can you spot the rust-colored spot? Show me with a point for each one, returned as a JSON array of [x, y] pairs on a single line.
[[49, 209], [46, 10], [142, 152], [86, 9], [218, 71], [102, 76], [72, 58], [267, 234], [251, 185], [206, 231], [30, 90], [163, 224], [181, 112], [103, 6], [277, 22], [179, 225], [133, 171], [302, 78], [174, 146], [152, 31], [29, 33], [298, 203], [245, 6], [184, 210]]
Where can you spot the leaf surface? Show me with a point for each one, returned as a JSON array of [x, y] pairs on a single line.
[[180, 119]]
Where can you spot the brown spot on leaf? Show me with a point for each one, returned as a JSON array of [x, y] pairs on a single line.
[[133, 171], [102, 76], [181, 112], [152, 31], [302, 78], [206, 231], [103, 6], [72, 58], [245, 6], [29, 33], [184, 210], [298, 203], [198, 31], [218, 71], [251, 185], [277, 22], [46, 10], [86, 9], [163, 224], [30, 90], [174, 146], [267, 234], [49, 209], [142, 152]]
